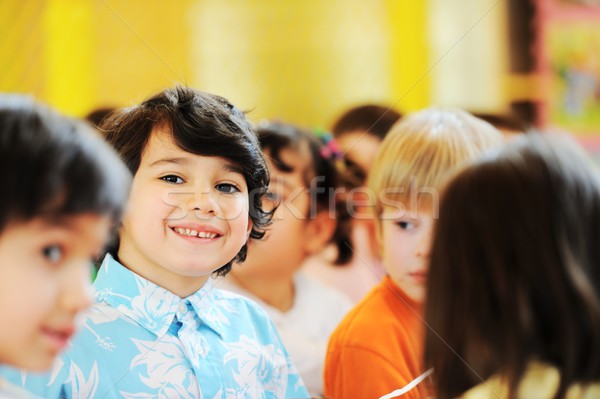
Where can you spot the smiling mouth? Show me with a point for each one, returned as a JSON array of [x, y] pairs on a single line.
[[59, 338], [195, 233]]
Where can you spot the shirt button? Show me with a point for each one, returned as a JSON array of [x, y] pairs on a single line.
[[182, 307]]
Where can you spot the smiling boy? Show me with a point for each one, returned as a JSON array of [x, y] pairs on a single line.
[[159, 328]]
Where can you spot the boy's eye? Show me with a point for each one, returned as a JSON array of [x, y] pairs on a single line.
[[405, 225], [227, 188], [172, 179], [53, 253]]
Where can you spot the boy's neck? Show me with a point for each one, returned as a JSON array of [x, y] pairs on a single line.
[[278, 292], [182, 286]]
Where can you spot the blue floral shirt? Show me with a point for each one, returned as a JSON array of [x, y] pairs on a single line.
[[141, 341]]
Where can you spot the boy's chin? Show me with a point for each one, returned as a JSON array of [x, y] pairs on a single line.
[[36, 362], [414, 291], [417, 295]]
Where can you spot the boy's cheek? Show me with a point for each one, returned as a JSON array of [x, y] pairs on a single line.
[[234, 210], [175, 203]]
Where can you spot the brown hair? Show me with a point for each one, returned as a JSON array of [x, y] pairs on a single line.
[[374, 119], [514, 273]]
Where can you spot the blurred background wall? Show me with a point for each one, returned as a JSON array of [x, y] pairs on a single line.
[[305, 61]]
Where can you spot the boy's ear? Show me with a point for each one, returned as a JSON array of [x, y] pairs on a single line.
[[374, 238], [377, 238], [319, 231], [249, 229]]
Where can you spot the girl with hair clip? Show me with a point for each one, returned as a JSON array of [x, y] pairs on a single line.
[[358, 132], [514, 286], [307, 217]]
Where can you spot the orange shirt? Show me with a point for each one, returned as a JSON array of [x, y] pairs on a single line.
[[377, 348]]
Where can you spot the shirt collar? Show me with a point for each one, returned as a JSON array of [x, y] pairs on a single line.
[[207, 303], [149, 305]]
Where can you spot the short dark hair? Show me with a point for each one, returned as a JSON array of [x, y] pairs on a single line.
[[514, 273], [97, 115], [275, 137], [375, 120], [54, 166], [372, 118], [202, 124]]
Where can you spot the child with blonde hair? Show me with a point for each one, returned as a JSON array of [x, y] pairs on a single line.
[[378, 345], [63, 191]]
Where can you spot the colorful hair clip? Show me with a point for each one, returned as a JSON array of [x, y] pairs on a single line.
[[330, 148]]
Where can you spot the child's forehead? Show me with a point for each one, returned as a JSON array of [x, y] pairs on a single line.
[[410, 210], [162, 148], [74, 223], [160, 139]]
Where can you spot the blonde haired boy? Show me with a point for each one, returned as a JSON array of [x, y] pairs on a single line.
[[378, 346]]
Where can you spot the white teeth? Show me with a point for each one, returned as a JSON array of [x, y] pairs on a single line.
[[195, 233]]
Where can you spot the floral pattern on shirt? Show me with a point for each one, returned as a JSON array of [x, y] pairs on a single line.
[[141, 341]]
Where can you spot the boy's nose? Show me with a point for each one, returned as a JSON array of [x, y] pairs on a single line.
[[76, 292], [202, 203], [424, 245]]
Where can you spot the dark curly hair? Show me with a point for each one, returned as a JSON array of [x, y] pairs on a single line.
[[202, 124]]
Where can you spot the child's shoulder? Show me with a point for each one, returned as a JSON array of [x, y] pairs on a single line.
[[319, 294], [371, 313], [9, 391], [250, 318], [242, 305], [226, 295]]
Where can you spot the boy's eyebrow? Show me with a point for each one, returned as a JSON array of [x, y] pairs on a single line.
[[227, 166], [59, 222], [176, 160]]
